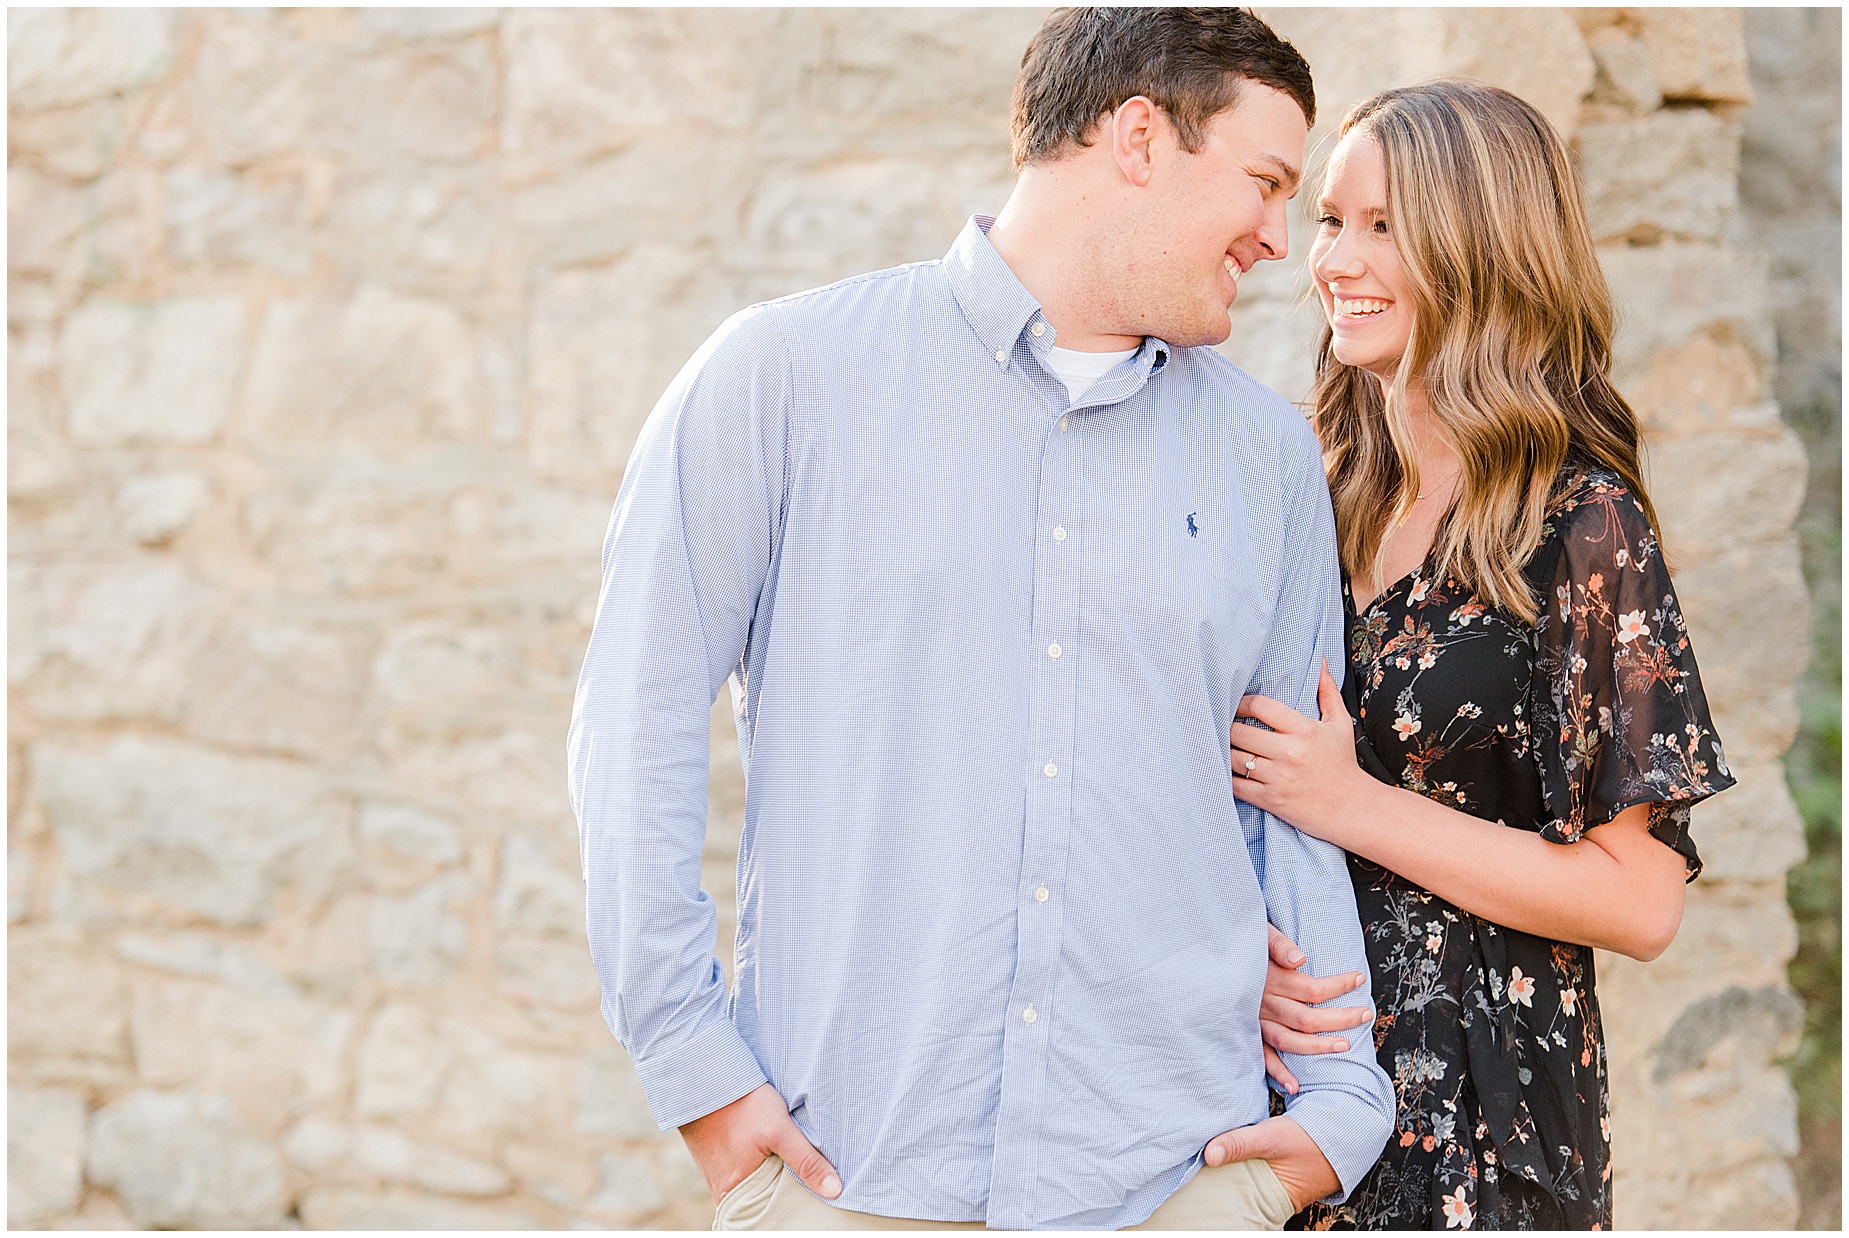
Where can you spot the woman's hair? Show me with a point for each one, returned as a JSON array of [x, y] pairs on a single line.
[[1511, 339]]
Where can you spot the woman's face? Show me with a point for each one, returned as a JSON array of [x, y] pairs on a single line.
[[1357, 268]]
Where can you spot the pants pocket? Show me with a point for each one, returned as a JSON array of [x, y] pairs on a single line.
[[1273, 1199], [743, 1206]]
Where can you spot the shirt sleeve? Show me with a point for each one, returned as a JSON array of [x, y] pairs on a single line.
[[1619, 715], [684, 561], [1346, 1102]]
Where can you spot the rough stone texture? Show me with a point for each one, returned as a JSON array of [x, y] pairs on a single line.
[[44, 1154], [183, 1160], [330, 333]]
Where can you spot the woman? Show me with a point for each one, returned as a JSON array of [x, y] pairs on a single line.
[[1529, 728]]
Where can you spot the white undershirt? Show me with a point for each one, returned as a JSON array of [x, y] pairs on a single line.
[[1079, 370]]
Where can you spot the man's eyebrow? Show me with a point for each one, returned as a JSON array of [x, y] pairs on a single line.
[[1287, 172]]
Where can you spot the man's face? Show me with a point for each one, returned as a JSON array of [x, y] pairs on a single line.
[[1211, 216]]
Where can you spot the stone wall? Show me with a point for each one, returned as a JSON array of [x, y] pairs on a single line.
[[330, 332]]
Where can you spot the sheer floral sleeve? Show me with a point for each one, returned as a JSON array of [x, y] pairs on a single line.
[[1619, 715]]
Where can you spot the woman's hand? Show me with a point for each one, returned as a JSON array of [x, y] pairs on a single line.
[[1302, 769], [1288, 1018]]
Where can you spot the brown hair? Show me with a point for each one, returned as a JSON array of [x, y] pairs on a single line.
[[1083, 63], [1511, 339]]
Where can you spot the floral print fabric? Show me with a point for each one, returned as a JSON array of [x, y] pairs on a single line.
[[1492, 1036]]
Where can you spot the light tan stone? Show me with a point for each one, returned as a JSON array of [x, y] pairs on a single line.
[[493, 1087], [221, 221], [321, 1146], [1700, 54], [1748, 621], [56, 57], [44, 1154], [581, 82], [411, 832], [1711, 382], [173, 821], [418, 939], [1753, 832], [1670, 174], [626, 1190], [154, 506], [264, 89], [277, 684], [382, 371], [76, 143], [161, 373], [402, 1062], [1538, 54], [1626, 73], [66, 1011], [1725, 489], [183, 1160], [267, 1051], [427, 231], [610, 1100], [1667, 294], [43, 219], [206, 956], [341, 1208], [603, 346], [103, 642], [354, 535]]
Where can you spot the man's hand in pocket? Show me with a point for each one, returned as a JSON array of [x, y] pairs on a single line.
[[1300, 1165], [728, 1143]]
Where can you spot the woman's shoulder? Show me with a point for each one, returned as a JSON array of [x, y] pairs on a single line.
[[1590, 498], [1595, 520]]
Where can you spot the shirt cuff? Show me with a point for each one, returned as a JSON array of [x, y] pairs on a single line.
[[1351, 1141], [706, 1072]]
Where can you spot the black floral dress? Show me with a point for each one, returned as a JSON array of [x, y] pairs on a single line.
[[1492, 1036]]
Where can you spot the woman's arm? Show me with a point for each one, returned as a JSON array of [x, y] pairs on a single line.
[[1617, 888]]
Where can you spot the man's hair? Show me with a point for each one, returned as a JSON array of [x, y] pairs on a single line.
[[1083, 63]]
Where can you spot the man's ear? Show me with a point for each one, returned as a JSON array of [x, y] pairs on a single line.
[[1132, 129]]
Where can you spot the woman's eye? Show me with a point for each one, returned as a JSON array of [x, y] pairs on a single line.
[[1380, 226], [1328, 221]]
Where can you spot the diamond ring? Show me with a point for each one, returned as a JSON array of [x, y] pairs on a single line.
[[1251, 764]]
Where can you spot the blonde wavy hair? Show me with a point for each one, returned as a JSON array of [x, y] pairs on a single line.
[[1511, 340]]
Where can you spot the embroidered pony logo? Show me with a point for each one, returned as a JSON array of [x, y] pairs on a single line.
[[1193, 529]]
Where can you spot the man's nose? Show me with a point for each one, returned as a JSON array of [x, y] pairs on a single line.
[[1274, 234]]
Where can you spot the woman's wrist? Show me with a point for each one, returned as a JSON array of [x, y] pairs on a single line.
[[1354, 811]]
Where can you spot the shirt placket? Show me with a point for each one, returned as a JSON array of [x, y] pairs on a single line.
[[1040, 894]]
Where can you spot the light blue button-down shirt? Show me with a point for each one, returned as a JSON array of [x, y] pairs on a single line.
[[1001, 922]]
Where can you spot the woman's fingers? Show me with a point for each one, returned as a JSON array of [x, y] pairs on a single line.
[[1315, 1020], [1274, 1066], [1274, 714], [1284, 1040], [1310, 990], [1259, 740], [1329, 698]]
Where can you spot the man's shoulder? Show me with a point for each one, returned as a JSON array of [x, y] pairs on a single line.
[[1255, 405], [850, 300]]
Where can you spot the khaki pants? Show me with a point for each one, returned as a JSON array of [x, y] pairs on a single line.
[[1240, 1195]]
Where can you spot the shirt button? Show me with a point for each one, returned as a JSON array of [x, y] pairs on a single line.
[[1053, 650], [1028, 1015], [1063, 426], [1039, 329], [1050, 770], [1059, 532], [1001, 357], [1040, 895]]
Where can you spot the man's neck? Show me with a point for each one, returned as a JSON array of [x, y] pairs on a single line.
[[1048, 234]]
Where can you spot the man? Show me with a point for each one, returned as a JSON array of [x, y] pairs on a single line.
[[989, 549]]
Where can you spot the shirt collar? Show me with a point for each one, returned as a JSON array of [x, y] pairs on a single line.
[[997, 306]]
